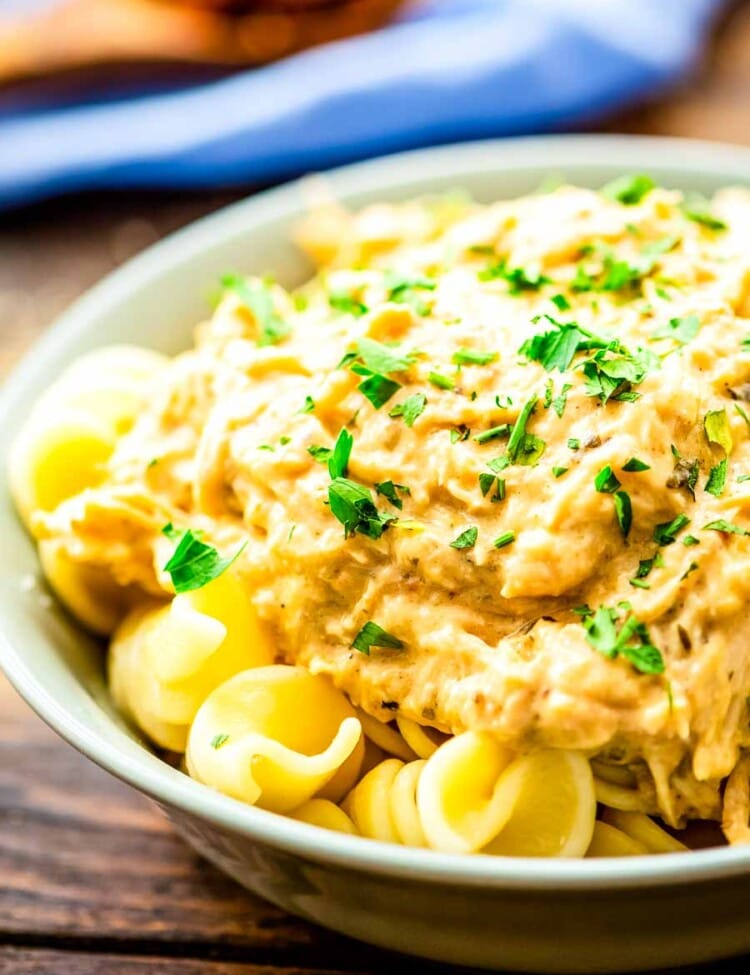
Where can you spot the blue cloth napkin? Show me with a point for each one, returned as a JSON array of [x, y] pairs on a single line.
[[444, 71]]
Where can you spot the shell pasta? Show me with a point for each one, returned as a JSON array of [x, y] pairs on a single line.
[[447, 548]]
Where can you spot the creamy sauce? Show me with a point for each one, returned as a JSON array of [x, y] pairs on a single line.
[[491, 639]]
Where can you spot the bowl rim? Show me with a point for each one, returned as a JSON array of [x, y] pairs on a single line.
[[143, 770]]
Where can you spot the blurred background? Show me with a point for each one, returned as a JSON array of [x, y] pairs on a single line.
[[123, 120]]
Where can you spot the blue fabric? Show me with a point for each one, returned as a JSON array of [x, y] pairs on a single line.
[[448, 70]]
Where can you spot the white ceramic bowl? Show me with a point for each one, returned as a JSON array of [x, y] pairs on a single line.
[[531, 915]]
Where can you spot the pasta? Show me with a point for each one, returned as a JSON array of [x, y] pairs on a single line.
[[276, 737], [449, 547], [166, 659]]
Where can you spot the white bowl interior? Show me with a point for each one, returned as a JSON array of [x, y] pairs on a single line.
[[155, 301]]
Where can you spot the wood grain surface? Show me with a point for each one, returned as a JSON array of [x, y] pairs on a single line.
[[92, 880]]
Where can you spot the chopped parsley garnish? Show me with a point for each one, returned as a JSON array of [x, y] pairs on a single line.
[[623, 511], [473, 357], [560, 401], [524, 448], [681, 330], [352, 505], [611, 375], [458, 434], [645, 567], [556, 348], [375, 361], [519, 279], [403, 289], [442, 382], [697, 209], [615, 636], [635, 466], [743, 414], [411, 408], [257, 297], [689, 540], [388, 489], [371, 635], [629, 189], [560, 302], [666, 532], [505, 539], [605, 481], [574, 443], [467, 539], [338, 462], [309, 405], [742, 478], [378, 389], [218, 740], [493, 433], [489, 481], [691, 568], [377, 357], [194, 563], [716, 426], [726, 527], [321, 454], [346, 303], [559, 471], [717, 479], [620, 275]]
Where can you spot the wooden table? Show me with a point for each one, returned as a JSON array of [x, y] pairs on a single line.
[[92, 880]]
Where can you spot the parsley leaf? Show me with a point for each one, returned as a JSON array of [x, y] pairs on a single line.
[[346, 303], [467, 539], [378, 389], [667, 532], [257, 297], [726, 527], [442, 382], [623, 511], [403, 289], [493, 433], [697, 209], [629, 189], [518, 278], [194, 563], [309, 405], [682, 330], [560, 302], [371, 635], [612, 375], [556, 348], [717, 479], [472, 357], [388, 489], [377, 357], [524, 448], [321, 454], [411, 408], [635, 466], [487, 481], [338, 462], [559, 471], [716, 426], [605, 481], [352, 505], [614, 636]]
